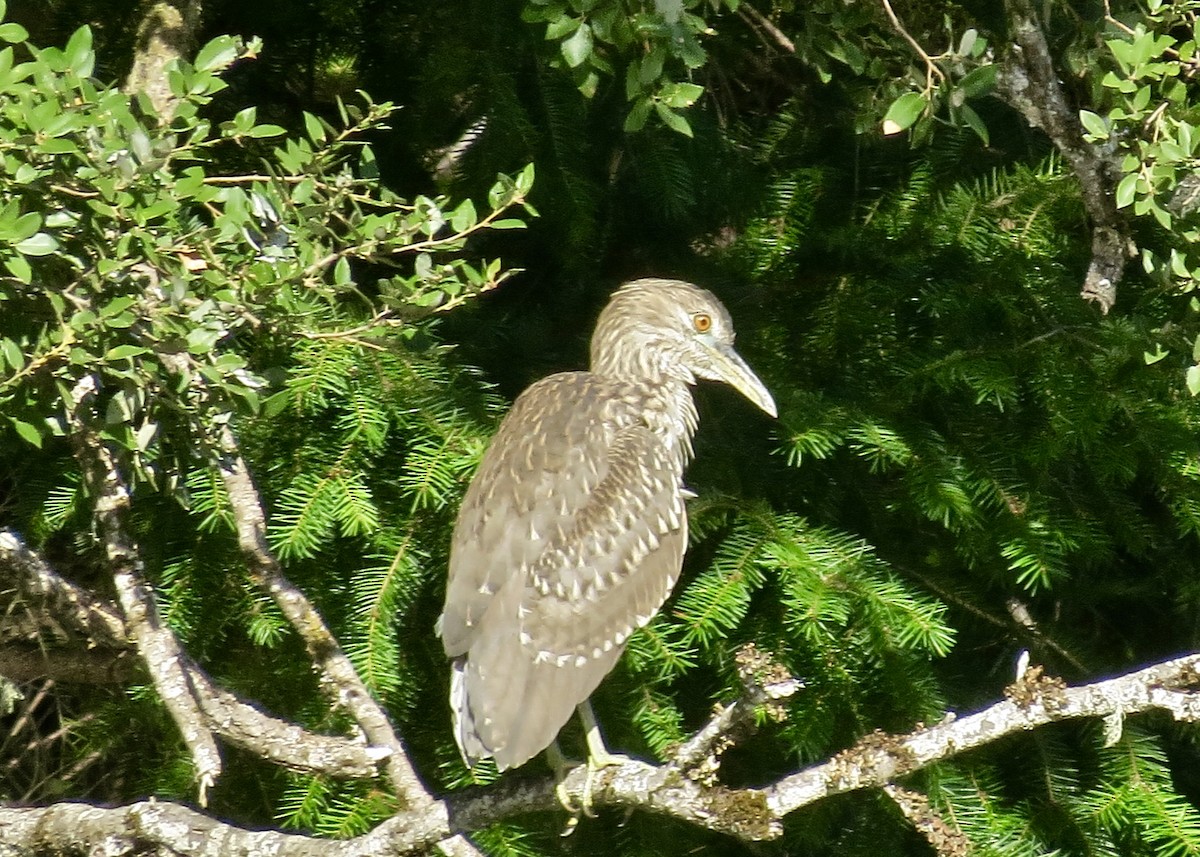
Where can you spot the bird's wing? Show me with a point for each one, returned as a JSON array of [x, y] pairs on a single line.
[[534, 479], [569, 539]]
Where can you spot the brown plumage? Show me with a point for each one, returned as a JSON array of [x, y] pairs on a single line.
[[571, 535]]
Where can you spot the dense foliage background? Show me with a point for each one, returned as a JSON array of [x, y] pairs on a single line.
[[970, 461]]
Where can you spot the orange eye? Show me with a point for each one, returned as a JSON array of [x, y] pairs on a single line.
[[702, 321]]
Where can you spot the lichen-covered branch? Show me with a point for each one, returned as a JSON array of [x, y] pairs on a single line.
[[155, 643], [1029, 82], [167, 33], [103, 657], [749, 814], [322, 647], [1172, 686], [50, 598]]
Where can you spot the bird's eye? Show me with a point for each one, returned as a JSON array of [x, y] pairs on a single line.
[[702, 321]]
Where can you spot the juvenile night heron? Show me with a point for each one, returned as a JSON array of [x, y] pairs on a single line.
[[572, 532]]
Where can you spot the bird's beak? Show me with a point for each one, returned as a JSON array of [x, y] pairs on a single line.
[[728, 366]]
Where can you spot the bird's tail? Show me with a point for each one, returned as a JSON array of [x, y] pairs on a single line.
[[465, 734]]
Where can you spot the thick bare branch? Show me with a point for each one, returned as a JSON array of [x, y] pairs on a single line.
[[235, 720], [322, 647], [167, 33], [750, 814], [25, 662], [1173, 686], [57, 601], [1030, 83], [156, 644]]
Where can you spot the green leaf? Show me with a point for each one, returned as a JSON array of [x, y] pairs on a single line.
[[12, 32], [266, 131], [638, 114], [19, 268], [39, 244], [125, 351], [12, 354], [27, 431], [464, 217], [1093, 124], [672, 120], [903, 112], [217, 54], [1126, 189], [967, 42], [558, 28], [974, 123], [681, 94], [1193, 380], [508, 223], [314, 128], [1152, 357], [979, 81], [578, 48], [79, 53]]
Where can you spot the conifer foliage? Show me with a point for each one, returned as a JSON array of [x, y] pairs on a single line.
[[982, 492]]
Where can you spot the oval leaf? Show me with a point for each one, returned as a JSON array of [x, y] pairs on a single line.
[[38, 244], [578, 48], [903, 113]]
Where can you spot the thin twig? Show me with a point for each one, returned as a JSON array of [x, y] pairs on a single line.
[[931, 67], [748, 12]]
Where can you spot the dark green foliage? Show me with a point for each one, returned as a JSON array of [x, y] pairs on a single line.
[[963, 442]]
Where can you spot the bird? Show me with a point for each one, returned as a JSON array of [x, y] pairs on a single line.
[[571, 534]]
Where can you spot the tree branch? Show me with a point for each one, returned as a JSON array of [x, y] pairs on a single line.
[[1028, 81], [235, 720], [748, 814], [327, 655], [1172, 686], [25, 662], [166, 34], [156, 644]]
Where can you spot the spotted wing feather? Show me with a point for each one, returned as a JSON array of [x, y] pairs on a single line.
[[587, 530]]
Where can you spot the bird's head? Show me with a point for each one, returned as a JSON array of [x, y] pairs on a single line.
[[668, 328]]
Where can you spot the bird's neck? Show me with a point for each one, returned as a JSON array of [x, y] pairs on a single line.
[[667, 409], [666, 385]]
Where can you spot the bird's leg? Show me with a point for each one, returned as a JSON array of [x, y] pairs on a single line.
[[562, 766], [598, 754]]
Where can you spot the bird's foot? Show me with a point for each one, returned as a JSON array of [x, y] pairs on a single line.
[[595, 763], [562, 767], [598, 758]]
